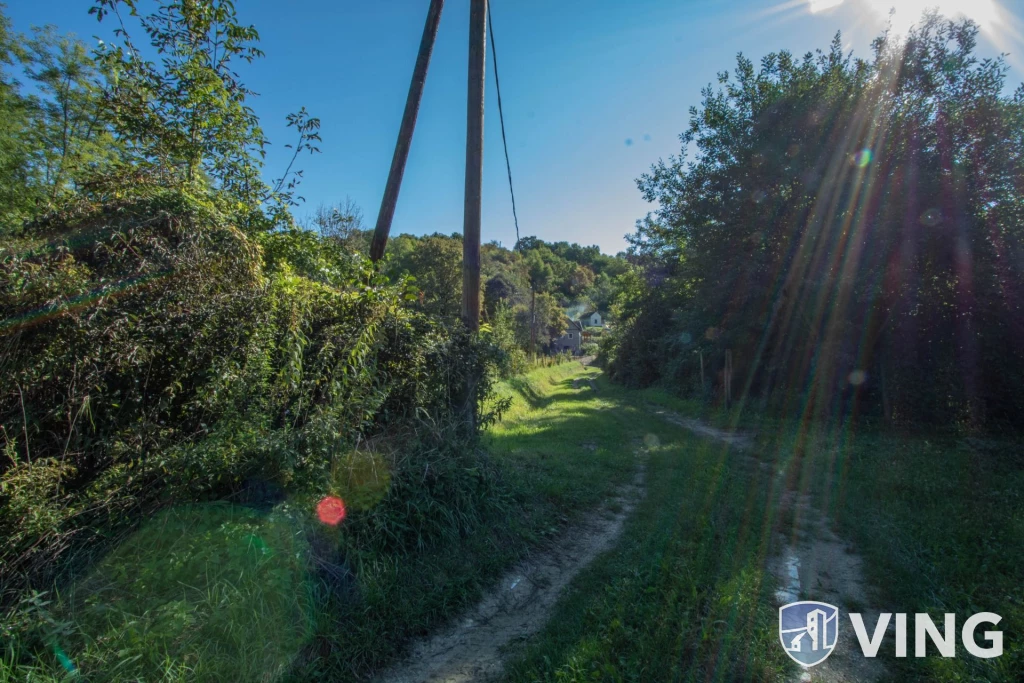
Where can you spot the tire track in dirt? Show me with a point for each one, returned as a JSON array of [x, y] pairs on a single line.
[[472, 648], [811, 562]]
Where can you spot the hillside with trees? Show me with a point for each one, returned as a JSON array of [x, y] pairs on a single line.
[[545, 282]]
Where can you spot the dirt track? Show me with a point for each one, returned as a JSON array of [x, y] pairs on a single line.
[[811, 562], [472, 648]]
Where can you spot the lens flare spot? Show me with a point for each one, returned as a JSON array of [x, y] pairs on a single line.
[[254, 542], [331, 510], [863, 158], [651, 441], [931, 217], [858, 377], [64, 660]]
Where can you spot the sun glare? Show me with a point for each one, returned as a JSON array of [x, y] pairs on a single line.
[[908, 12], [821, 5], [905, 13]]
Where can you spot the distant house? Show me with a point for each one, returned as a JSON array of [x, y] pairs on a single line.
[[571, 340], [592, 319]]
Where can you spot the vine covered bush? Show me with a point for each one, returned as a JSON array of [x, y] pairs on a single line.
[[178, 358], [150, 356]]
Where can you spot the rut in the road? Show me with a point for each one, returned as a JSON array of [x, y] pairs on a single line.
[[812, 562], [471, 649]]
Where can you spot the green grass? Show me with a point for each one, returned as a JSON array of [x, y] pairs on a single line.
[[204, 592], [192, 596], [562, 450], [684, 594], [218, 592], [940, 523], [938, 519]]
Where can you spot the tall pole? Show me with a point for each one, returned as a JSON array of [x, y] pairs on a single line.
[[728, 379], [533, 321], [474, 164], [412, 110]]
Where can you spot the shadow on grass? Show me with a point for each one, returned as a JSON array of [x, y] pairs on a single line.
[[539, 401], [685, 595]]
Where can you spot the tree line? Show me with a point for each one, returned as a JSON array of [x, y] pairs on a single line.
[[850, 229], [529, 292]]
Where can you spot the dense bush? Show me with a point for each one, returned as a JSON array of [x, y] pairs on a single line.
[[150, 354], [156, 355], [850, 229], [186, 376]]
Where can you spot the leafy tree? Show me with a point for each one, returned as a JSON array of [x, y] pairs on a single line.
[[18, 178], [71, 123], [436, 266], [187, 119], [540, 275], [188, 116], [849, 228]]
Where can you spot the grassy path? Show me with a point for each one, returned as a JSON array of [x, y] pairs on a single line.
[[683, 590], [688, 594], [685, 594]]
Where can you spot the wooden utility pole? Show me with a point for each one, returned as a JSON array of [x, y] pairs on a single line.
[[728, 379], [474, 164], [412, 110], [533, 321]]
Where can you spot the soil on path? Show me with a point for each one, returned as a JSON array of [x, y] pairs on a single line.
[[811, 562], [472, 649]]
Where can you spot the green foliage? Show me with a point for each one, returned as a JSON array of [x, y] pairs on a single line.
[[842, 219], [503, 335], [159, 355], [18, 179], [435, 264], [538, 283], [72, 131], [171, 337], [187, 116]]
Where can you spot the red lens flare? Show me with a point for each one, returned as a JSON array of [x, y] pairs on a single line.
[[331, 510]]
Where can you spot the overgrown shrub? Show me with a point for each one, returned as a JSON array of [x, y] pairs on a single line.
[[155, 355], [171, 343]]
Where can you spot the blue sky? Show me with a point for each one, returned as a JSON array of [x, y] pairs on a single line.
[[595, 91]]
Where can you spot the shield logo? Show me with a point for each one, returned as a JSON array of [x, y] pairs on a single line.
[[808, 631]]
